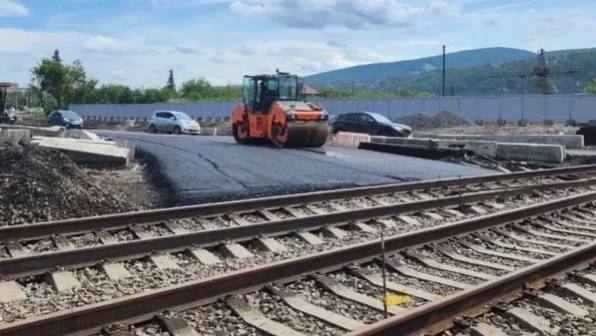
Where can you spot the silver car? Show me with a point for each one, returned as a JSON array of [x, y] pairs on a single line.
[[173, 122]]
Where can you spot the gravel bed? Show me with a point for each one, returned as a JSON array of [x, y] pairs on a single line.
[[39, 246], [150, 329], [190, 224], [428, 286], [323, 207], [85, 240], [350, 203], [563, 227], [281, 213], [253, 217], [301, 209], [123, 235], [158, 230], [218, 222], [218, 319], [322, 298], [364, 287], [275, 309]]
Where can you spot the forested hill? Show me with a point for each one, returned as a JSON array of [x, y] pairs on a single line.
[[457, 60], [490, 79]]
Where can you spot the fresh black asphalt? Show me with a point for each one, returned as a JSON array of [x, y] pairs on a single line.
[[197, 169]]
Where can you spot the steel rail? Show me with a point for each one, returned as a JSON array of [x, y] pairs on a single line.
[[36, 264], [86, 224], [139, 307], [439, 315]]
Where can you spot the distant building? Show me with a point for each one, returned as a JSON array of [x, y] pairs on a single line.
[[309, 91]]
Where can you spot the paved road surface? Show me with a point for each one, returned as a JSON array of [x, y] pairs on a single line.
[[201, 169]]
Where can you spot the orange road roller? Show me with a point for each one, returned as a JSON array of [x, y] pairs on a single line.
[[274, 108]]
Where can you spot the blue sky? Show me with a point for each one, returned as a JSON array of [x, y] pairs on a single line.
[[136, 42]]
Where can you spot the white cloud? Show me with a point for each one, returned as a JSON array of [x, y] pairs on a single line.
[[12, 8], [19, 40], [103, 44], [354, 14]]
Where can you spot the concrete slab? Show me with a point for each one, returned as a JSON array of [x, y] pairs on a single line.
[[15, 136], [235, 250], [38, 131], [484, 329], [81, 134], [164, 262], [82, 151], [116, 271], [309, 238], [349, 140], [270, 245], [532, 321], [16, 250], [63, 281], [530, 152], [11, 291], [105, 237], [334, 232], [205, 257], [178, 327], [565, 140]]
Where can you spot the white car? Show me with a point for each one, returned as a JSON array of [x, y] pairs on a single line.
[[173, 122]]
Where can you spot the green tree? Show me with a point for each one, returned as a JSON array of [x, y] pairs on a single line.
[[171, 85], [590, 87], [65, 83]]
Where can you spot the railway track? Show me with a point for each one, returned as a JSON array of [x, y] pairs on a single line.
[[483, 240]]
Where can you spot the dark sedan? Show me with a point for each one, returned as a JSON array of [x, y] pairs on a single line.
[[369, 123], [68, 119]]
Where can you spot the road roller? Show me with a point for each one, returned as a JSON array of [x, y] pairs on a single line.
[[274, 108]]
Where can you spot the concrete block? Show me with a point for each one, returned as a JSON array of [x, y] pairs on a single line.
[[235, 250], [11, 291], [87, 151], [479, 147], [81, 134], [205, 257], [164, 262], [566, 140], [430, 143], [350, 140], [270, 245], [63, 281], [530, 152], [116, 271], [15, 136]]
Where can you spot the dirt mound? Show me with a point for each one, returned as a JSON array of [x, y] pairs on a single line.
[[38, 184], [444, 119]]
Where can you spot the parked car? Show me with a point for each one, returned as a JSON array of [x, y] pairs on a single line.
[[68, 119], [173, 122], [369, 123]]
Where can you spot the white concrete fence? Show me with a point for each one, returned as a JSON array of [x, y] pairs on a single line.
[[533, 108]]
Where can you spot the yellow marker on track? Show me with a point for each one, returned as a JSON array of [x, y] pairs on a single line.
[[397, 300]]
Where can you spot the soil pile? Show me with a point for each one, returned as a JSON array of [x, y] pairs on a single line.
[[38, 184], [444, 119]]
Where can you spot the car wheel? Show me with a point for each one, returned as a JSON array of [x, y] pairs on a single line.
[[176, 130], [152, 129]]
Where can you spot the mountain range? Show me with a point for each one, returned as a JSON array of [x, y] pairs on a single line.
[[488, 71]]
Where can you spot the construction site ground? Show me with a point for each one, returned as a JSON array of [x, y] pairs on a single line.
[[200, 169]]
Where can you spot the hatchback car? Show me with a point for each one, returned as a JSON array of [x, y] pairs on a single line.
[[65, 118], [173, 122], [369, 123]]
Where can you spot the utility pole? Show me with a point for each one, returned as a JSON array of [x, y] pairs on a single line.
[[443, 85]]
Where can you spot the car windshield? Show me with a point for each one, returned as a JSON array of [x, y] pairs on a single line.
[[182, 116], [70, 115], [380, 118]]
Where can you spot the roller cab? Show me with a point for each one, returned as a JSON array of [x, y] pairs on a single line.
[[274, 109]]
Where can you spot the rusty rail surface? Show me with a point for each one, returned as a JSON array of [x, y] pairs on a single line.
[[86, 224], [40, 263], [139, 307], [439, 315]]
